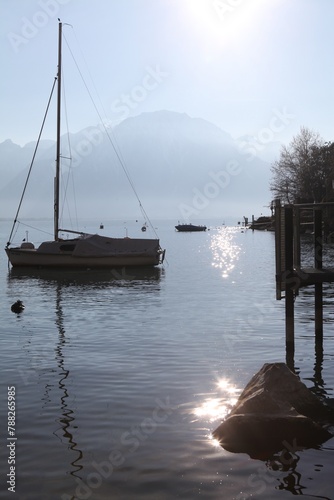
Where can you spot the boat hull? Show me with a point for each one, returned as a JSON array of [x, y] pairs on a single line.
[[189, 228], [90, 252]]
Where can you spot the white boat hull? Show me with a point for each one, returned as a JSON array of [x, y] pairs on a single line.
[[92, 251]]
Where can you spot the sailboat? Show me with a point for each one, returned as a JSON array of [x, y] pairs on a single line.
[[82, 250]]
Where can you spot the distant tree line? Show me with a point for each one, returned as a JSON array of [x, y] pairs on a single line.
[[304, 172]]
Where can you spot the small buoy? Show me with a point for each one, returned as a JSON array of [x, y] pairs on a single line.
[[101, 226], [17, 307]]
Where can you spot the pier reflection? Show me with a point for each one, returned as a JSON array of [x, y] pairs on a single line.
[[318, 387], [292, 481], [285, 468]]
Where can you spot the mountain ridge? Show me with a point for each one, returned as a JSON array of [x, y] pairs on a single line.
[[179, 157]]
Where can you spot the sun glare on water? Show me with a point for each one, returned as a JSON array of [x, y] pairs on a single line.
[[217, 408], [225, 251]]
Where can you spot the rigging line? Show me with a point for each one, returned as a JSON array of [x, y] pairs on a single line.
[[119, 157], [107, 122], [89, 73], [66, 183], [33, 227], [32, 161], [125, 170], [17, 228], [74, 197]]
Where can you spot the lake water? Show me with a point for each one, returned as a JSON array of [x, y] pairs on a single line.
[[121, 378]]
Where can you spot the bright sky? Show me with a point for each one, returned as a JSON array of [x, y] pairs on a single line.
[[245, 65]]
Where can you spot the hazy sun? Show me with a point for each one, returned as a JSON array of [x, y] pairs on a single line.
[[224, 21]]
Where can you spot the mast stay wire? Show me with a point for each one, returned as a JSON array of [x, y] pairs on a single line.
[[70, 168], [96, 92], [113, 143], [32, 161]]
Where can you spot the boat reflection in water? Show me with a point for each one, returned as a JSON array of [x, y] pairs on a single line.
[[46, 366], [96, 278], [67, 414], [53, 365]]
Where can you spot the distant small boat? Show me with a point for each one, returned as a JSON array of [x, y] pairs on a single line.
[[187, 228]]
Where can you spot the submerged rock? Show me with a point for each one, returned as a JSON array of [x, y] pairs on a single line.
[[274, 411]]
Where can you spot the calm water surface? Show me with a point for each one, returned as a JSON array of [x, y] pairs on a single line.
[[121, 377]]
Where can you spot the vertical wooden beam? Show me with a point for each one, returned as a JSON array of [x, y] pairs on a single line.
[[318, 295], [278, 252], [318, 312], [289, 322], [289, 293], [317, 238], [296, 237], [288, 238], [319, 360]]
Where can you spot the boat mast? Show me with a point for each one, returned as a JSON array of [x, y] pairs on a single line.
[[56, 180]]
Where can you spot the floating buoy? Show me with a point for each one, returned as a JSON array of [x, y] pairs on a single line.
[[101, 226], [17, 307]]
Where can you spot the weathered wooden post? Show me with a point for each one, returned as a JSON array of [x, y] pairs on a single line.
[[279, 251], [292, 275], [296, 238], [318, 298], [289, 280]]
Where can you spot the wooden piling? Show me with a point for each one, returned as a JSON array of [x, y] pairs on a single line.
[[318, 312], [296, 239], [318, 295], [289, 281], [318, 238], [290, 274]]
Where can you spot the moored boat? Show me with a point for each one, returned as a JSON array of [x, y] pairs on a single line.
[[82, 250], [187, 228]]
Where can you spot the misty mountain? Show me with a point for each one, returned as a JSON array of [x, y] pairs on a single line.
[[179, 166], [260, 147]]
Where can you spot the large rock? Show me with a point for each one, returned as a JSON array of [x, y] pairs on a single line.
[[275, 411]]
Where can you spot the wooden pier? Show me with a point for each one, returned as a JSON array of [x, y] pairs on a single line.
[[290, 275]]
